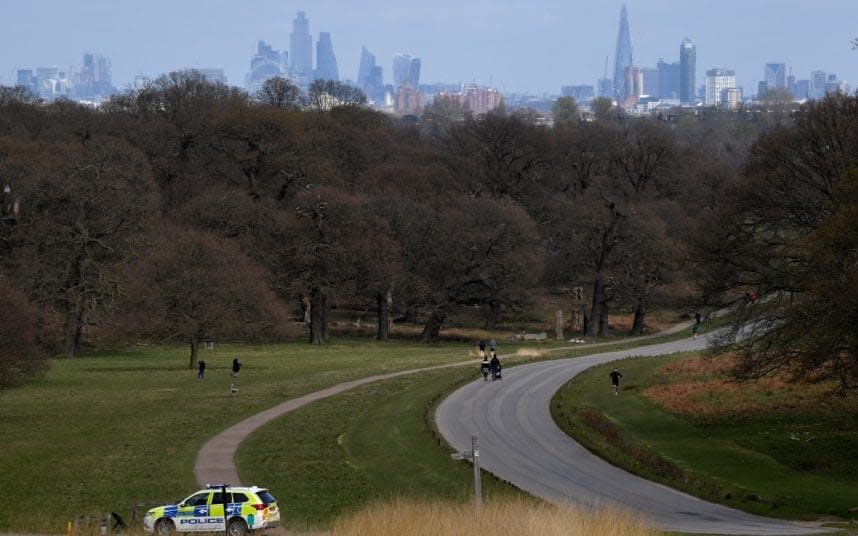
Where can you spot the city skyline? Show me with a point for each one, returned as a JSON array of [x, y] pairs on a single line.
[[528, 48]]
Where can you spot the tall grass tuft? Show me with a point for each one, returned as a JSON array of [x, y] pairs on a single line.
[[513, 517]]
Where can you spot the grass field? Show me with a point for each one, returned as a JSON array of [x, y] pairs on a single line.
[[108, 430], [768, 448], [120, 427]]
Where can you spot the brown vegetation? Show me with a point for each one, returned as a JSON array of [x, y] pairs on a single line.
[[506, 518]]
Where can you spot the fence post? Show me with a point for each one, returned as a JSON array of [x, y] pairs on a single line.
[[475, 450]]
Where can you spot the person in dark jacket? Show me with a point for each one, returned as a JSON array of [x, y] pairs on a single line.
[[201, 374], [495, 365], [615, 380], [485, 368], [236, 367]]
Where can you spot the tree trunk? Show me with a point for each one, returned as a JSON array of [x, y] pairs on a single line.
[[494, 314], [603, 320], [595, 309], [638, 322], [72, 334], [195, 347], [318, 317], [432, 329], [383, 301]]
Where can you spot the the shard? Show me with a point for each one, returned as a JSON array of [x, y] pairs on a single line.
[[623, 58]]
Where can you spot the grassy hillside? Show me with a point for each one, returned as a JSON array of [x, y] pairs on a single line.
[[771, 448]]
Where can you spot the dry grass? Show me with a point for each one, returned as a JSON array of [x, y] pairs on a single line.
[[531, 353], [505, 518], [700, 387]]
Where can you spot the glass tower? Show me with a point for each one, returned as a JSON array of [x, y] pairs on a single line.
[[301, 47], [624, 56], [687, 67], [326, 62]]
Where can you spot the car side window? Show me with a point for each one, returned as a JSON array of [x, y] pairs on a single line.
[[238, 498], [217, 498], [198, 500]]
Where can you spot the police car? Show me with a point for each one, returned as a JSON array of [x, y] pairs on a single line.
[[247, 509]]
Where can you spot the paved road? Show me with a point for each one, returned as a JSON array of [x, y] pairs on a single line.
[[520, 443]]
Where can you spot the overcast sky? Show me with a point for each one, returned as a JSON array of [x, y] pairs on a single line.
[[532, 46]]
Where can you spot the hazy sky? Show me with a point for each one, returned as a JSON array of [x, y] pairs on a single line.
[[531, 46]]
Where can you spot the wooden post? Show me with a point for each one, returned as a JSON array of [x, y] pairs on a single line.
[[559, 329]]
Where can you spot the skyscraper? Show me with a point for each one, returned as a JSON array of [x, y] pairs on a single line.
[[370, 77], [624, 56], [301, 48], [669, 77], [367, 62], [326, 62], [267, 63], [406, 70], [687, 68], [775, 75], [717, 80]]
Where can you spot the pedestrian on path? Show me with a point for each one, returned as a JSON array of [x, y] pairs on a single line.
[[695, 329], [236, 368], [485, 368], [615, 380], [495, 365], [202, 372], [697, 318], [482, 349]]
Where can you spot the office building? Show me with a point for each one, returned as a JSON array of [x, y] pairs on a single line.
[[370, 77], [833, 85], [731, 98], [669, 77], [775, 76], [406, 70], [301, 51], [633, 82], [801, 89], [479, 100], [817, 85], [326, 62], [408, 100], [265, 64], [623, 58], [582, 93], [687, 71], [606, 88], [717, 80], [651, 86]]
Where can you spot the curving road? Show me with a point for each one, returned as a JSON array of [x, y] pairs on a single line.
[[520, 443]]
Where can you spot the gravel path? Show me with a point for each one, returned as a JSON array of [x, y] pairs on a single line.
[[520, 443]]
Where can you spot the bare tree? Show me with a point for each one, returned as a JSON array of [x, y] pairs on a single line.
[[279, 92]]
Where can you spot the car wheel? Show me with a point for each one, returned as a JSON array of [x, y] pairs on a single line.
[[237, 527], [165, 527]]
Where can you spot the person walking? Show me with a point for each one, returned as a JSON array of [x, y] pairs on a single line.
[[697, 318], [236, 368], [482, 349], [493, 345], [202, 372], [695, 330], [485, 368], [615, 380], [495, 365]]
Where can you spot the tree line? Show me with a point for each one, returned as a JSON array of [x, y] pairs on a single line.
[[188, 209]]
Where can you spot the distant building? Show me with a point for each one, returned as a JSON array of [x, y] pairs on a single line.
[[582, 93], [406, 70], [717, 80], [479, 100], [265, 64], [94, 79], [687, 71], [731, 98], [651, 85], [818, 80], [606, 88], [408, 100], [833, 85], [27, 81], [633, 85], [370, 79], [762, 89], [301, 50], [326, 62], [669, 75], [775, 75], [213, 75], [623, 58], [801, 89]]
